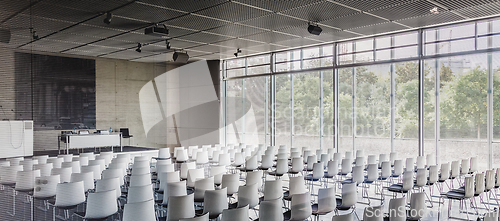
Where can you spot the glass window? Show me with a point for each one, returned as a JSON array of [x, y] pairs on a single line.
[[345, 47], [283, 110], [235, 72], [311, 52], [259, 70], [460, 31], [345, 109], [306, 110], [255, 118], [234, 110], [256, 60], [327, 50], [328, 110], [289, 66], [288, 56], [406, 39], [235, 63], [383, 42], [364, 45]]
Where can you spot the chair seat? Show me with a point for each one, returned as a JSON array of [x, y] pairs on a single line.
[[339, 205], [346, 181], [455, 195], [397, 188], [44, 198], [273, 173], [310, 178], [293, 172], [316, 212], [82, 214], [246, 170]]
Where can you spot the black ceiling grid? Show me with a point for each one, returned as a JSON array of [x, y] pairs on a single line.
[[216, 28]]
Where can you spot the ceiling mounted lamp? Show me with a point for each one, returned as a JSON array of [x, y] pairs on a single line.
[[237, 52], [35, 36], [434, 10], [182, 57], [139, 46], [108, 18], [168, 44], [314, 29]]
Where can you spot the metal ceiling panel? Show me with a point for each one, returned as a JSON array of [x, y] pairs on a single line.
[[20, 24], [196, 22], [278, 6], [379, 28], [66, 37], [135, 37], [458, 4], [215, 56], [147, 13], [185, 5], [365, 5], [204, 37], [235, 30], [93, 31], [9, 8], [126, 54], [406, 10], [353, 21], [334, 36], [274, 22], [97, 50], [238, 43], [234, 12], [298, 42], [270, 37], [155, 58], [320, 11], [267, 47], [96, 6], [197, 53], [50, 45], [17, 40], [431, 19], [209, 48], [115, 43], [59, 12], [480, 11], [83, 53], [156, 48], [302, 30], [118, 23], [179, 44]]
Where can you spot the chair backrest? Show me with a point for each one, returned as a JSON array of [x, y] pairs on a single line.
[[491, 216], [192, 149], [301, 206], [101, 205], [86, 177], [408, 180], [56, 162], [349, 196], [180, 207], [112, 173], [337, 157], [333, 168], [200, 186], [238, 160], [473, 165], [217, 172], [66, 157], [382, 158], [497, 183], [445, 171], [215, 202], [252, 163], [185, 167], [469, 187], [84, 161], [267, 161], [372, 159], [42, 159], [95, 169], [231, 182], [202, 158], [480, 185], [14, 161], [324, 159], [373, 213], [254, 177], [344, 217], [141, 164], [398, 168], [238, 214], [397, 209], [490, 179], [174, 189], [311, 159], [421, 179], [44, 168], [346, 166], [69, 194], [282, 166], [455, 169], [421, 162], [99, 162], [168, 177], [385, 172], [393, 157], [25, 180], [90, 155], [64, 172], [74, 165], [372, 172], [140, 180], [360, 161], [164, 153], [8, 174], [417, 206], [248, 195], [140, 193], [306, 154], [431, 159], [193, 175], [297, 185], [297, 165], [270, 210], [273, 189], [410, 164], [360, 153], [144, 211], [465, 166], [358, 174], [224, 159], [326, 200], [45, 186], [433, 174], [27, 164], [181, 155], [109, 184], [204, 217]]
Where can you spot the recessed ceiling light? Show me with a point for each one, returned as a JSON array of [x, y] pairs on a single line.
[[434, 10]]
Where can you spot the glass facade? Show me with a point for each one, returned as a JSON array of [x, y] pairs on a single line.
[[429, 91]]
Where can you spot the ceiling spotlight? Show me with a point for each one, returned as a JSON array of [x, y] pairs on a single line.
[[168, 44], [237, 52], [182, 57], [139, 46], [314, 29], [108, 18], [434, 10], [35, 36]]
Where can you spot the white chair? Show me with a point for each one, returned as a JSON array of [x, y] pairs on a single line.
[[417, 204], [466, 194], [27, 164], [100, 205], [100, 162], [185, 167], [237, 214], [349, 198], [25, 181], [397, 209], [84, 161], [204, 217], [141, 170], [217, 172], [42, 159], [174, 189], [473, 165], [373, 213], [431, 159], [346, 167], [45, 187], [311, 160], [296, 186], [109, 184], [393, 157], [87, 178], [231, 182], [382, 158], [168, 177], [248, 195], [95, 169], [114, 173], [372, 159], [281, 168], [164, 153], [297, 166], [68, 196], [300, 207], [180, 207], [193, 175], [89, 155], [465, 167], [224, 159], [140, 180], [215, 202], [8, 174], [181, 156], [254, 177], [74, 165], [273, 189], [64, 172], [410, 164], [143, 211], [271, 210], [45, 169], [201, 186], [56, 162], [326, 202], [140, 193]]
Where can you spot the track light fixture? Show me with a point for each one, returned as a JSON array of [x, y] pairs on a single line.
[[108, 18], [168, 44], [139, 46], [237, 52], [35, 36], [314, 29]]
